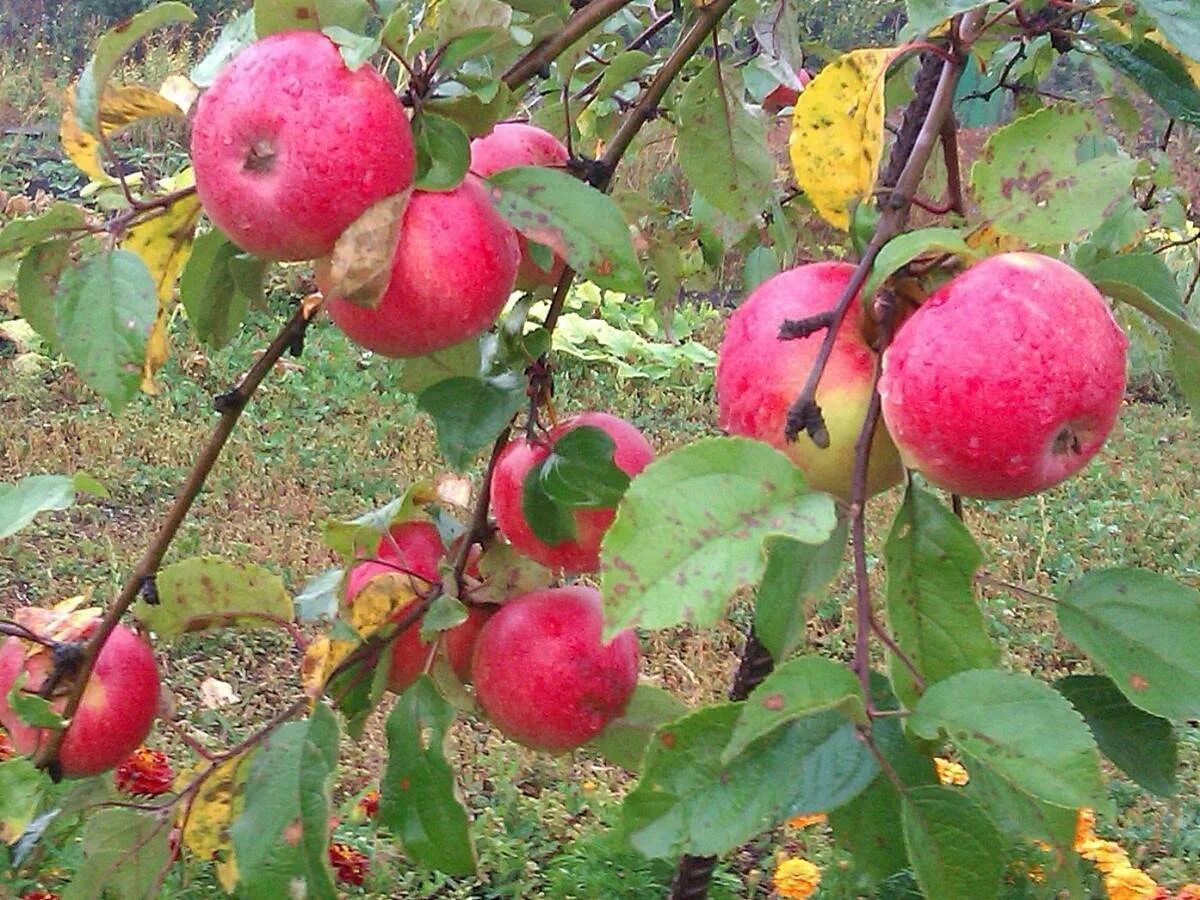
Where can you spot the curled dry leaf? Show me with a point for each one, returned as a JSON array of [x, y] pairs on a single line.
[[215, 694], [361, 263], [454, 489]]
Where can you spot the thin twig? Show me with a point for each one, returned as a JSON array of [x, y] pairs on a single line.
[[539, 58]]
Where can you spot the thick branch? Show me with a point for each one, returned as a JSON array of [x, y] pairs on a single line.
[[540, 57]]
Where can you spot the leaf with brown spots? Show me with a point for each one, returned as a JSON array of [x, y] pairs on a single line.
[[218, 801], [361, 264], [623, 741]]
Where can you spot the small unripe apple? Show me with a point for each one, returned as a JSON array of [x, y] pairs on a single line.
[[452, 273], [114, 716], [632, 453], [759, 376], [542, 675], [512, 144], [289, 146], [1007, 380]]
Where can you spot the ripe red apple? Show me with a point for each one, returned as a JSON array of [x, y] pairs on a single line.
[[512, 144], [631, 454], [758, 377], [542, 675], [289, 146], [115, 715], [1007, 379], [452, 273]]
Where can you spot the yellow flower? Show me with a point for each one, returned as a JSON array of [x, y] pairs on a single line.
[[1107, 855], [796, 879], [804, 821], [1085, 823], [1189, 892], [950, 772], [1130, 884]]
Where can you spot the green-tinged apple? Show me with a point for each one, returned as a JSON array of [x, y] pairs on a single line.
[[759, 376], [289, 146], [115, 714], [632, 453], [452, 273], [542, 675], [1007, 380], [512, 144]]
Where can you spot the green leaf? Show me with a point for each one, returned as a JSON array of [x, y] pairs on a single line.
[[105, 311], [474, 113], [1021, 728], [455, 19], [318, 599], [281, 838], [761, 264], [235, 37], [218, 284], [469, 413], [422, 372], [550, 206], [1145, 271], [209, 592], [804, 686], [795, 573], [931, 560], [1179, 20], [271, 16], [689, 802], [904, 248], [31, 708], [20, 235], [22, 501], [1142, 746], [443, 153], [924, 15], [621, 69], [552, 522], [1158, 73], [1142, 629], [124, 852], [110, 48], [355, 48], [1031, 182], [419, 801], [21, 788], [690, 531], [722, 146], [355, 694], [623, 741], [956, 850], [357, 538], [37, 285], [444, 613], [1019, 815], [580, 471]]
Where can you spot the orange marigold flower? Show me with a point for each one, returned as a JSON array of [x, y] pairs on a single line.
[[1130, 884], [950, 772], [1085, 824], [796, 879], [804, 821], [349, 865], [368, 804], [145, 772], [1106, 855], [6, 748], [1037, 873], [1189, 892]]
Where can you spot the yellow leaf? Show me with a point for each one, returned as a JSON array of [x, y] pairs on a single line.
[[837, 133], [219, 800], [990, 241], [164, 244], [121, 106], [382, 596], [321, 657]]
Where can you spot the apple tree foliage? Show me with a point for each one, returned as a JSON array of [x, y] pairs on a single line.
[[801, 733]]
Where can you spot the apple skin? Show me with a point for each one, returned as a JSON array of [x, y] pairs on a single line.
[[632, 454], [512, 144], [543, 677], [114, 717], [452, 273], [1007, 380], [289, 146], [758, 377]]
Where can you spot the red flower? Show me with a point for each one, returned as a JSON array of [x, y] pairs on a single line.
[[349, 865], [146, 772], [39, 894], [368, 804]]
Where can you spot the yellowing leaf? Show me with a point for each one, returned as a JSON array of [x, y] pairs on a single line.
[[837, 133], [219, 800], [164, 244], [121, 106], [382, 596], [987, 239], [321, 657]]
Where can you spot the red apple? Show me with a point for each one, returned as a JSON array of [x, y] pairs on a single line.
[[289, 146], [115, 715], [519, 144], [632, 454], [758, 377], [452, 274], [542, 675], [1007, 379]]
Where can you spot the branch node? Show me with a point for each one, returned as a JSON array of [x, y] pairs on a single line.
[[794, 329], [148, 590], [230, 401], [806, 416]]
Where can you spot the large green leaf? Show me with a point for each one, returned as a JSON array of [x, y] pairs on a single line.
[[956, 850], [1020, 816], [281, 838], [548, 206], [218, 284], [357, 538], [690, 530], [21, 502], [722, 146], [1179, 20], [21, 789], [443, 153], [209, 592], [1159, 74], [1019, 727], [124, 853], [1143, 746], [1030, 180], [419, 800], [688, 801], [37, 286], [904, 248], [931, 560], [469, 413], [105, 311], [926, 14], [624, 740], [235, 36], [271, 16], [20, 235], [795, 573], [1142, 629]]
